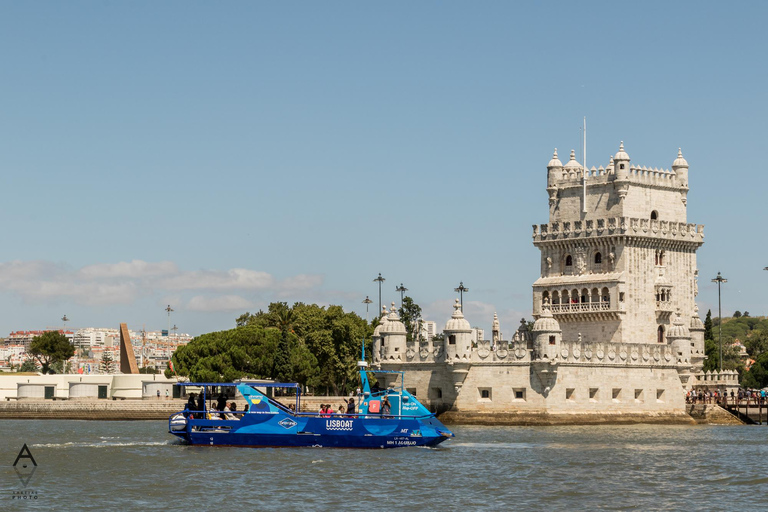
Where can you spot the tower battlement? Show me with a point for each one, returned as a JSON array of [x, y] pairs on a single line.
[[610, 226]]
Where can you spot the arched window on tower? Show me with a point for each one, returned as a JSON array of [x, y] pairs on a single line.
[[654, 215], [568, 261], [606, 295], [555, 298], [595, 293], [544, 298], [660, 334], [574, 296], [598, 258], [661, 258]]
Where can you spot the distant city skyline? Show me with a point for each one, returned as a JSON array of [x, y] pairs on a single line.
[[219, 158]]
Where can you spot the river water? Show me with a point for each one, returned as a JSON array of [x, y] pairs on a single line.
[[88, 465]]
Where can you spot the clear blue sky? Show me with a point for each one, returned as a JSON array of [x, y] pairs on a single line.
[[220, 156]]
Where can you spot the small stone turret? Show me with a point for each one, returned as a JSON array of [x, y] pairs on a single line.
[[572, 169], [547, 336], [554, 174], [495, 330], [393, 337], [680, 338], [458, 336], [698, 352], [621, 170], [376, 338], [680, 167]]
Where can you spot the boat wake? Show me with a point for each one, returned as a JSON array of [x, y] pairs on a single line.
[[103, 444]]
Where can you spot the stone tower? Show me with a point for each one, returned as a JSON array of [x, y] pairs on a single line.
[[617, 255]]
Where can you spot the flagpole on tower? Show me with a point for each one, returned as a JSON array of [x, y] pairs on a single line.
[[584, 174]]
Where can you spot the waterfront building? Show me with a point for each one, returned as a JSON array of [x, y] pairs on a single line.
[[617, 331]]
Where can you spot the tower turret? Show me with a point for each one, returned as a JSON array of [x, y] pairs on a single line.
[[621, 171], [458, 335], [554, 174], [377, 338], [698, 352], [393, 337], [495, 329], [680, 338], [547, 336], [680, 167]]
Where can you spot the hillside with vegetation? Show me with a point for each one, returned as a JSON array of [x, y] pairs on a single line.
[[752, 332]]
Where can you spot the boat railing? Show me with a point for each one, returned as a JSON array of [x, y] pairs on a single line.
[[240, 414]]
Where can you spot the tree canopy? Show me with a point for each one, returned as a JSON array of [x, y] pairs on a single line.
[[313, 345], [410, 313], [49, 348]]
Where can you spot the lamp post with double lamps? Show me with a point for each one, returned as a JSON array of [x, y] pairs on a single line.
[[461, 289], [720, 280], [379, 280], [402, 289]]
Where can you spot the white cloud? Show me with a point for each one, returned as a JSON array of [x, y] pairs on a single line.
[[220, 303], [124, 282], [132, 269], [234, 279]]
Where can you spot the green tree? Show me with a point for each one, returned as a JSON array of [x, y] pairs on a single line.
[[757, 343], [28, 366], [731, 358], [410, 313], [283, 369], [746, 314], [107, 363], [708, 326], [737, 314], [51, 347]]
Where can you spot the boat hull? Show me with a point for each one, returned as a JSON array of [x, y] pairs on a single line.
[[336, 432]]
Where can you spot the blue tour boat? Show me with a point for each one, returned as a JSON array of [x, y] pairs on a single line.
[[268, 422]]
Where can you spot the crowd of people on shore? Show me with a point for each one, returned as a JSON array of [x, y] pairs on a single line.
[[748, 396]]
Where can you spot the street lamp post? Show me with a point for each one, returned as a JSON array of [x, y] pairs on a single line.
[[461, 289], [720, 280], [169, 310], [366, 302], [402, 289], [379, 280]]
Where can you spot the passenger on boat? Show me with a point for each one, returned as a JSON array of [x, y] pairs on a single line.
[[342, 410], [191, 403], [221, 402], [351, 406], [201, 405], [386, 407]]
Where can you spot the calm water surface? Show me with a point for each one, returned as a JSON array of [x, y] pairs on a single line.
[[139, 466]]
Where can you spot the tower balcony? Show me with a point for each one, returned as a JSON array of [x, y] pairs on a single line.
[[664, 309], [585, 311], [580, 308]]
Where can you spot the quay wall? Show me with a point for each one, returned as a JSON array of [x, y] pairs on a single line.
[[121, 410]]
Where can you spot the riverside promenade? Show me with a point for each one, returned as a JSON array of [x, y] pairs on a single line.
[[121, 410]]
